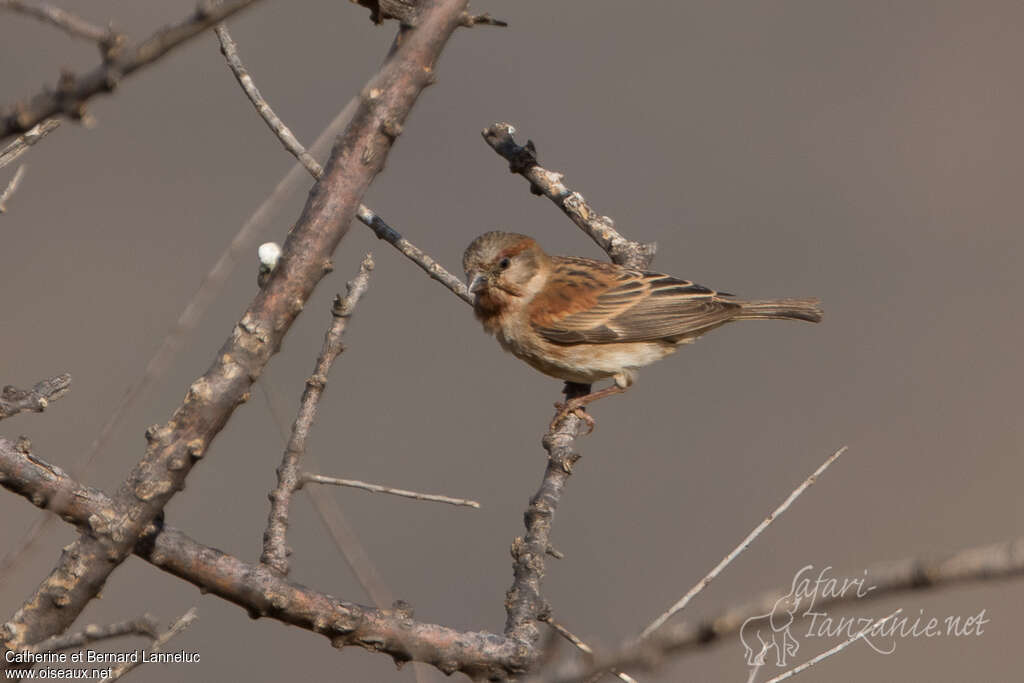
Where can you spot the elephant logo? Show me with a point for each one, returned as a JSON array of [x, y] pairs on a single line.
[[772, 631]]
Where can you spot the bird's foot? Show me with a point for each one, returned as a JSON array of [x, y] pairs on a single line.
[[576, 407]]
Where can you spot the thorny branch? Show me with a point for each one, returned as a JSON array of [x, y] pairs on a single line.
[[176, 446], [73, 92], [289, 479]]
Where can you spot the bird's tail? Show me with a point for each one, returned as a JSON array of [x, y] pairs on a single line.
[[785, 309]]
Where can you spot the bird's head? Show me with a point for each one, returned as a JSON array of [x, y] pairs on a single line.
[[501, 267]]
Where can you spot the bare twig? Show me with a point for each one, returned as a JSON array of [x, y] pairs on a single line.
[[72, 93], [21, 144], [275, 553], [580, 645], [838, 648], [601, 229], [365, 214], [143, 626], [175, 447], [11, 188], [744, 544], [66, 21], [229, 48], [377, 488], [183, 622], [36, 399], [431, 267]]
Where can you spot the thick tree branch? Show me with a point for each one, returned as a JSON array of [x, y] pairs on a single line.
[[72, 92], [36, 399], [601, 229], [366, 215], [175, 447], [261, 591], [289, 480]]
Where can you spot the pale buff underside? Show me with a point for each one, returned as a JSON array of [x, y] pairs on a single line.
[[581, 363]]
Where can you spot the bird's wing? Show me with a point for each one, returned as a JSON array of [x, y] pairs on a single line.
[[592, 302]]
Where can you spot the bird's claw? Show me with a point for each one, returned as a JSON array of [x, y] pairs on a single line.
[[572, 407]]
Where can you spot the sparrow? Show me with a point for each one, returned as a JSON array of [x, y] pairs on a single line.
[[582, 320]]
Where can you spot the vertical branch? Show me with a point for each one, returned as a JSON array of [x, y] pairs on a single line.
[[524, 604], [275, 551]]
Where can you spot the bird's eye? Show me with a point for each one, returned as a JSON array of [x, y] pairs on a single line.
[[504, 263]]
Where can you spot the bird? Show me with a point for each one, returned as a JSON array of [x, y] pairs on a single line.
[[582, 320]]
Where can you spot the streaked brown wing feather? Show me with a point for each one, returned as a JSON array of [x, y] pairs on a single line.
[[593, 302]]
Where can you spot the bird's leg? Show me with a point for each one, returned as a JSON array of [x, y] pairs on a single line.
[[577, 397]]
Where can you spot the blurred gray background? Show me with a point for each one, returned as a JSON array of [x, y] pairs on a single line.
[[865, 152]]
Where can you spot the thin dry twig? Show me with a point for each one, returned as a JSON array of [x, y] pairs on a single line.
[[11, 188], [744, 544], [601, 229], [73, 24], [21, 144], [377, 488], [229, 48], [183, 622], [36, 399], [289, 479], [143, 626], [72, 93], [835, 650], [580, 645], [366, 215]]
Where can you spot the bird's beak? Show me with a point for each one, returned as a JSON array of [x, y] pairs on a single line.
[[477, 282]]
